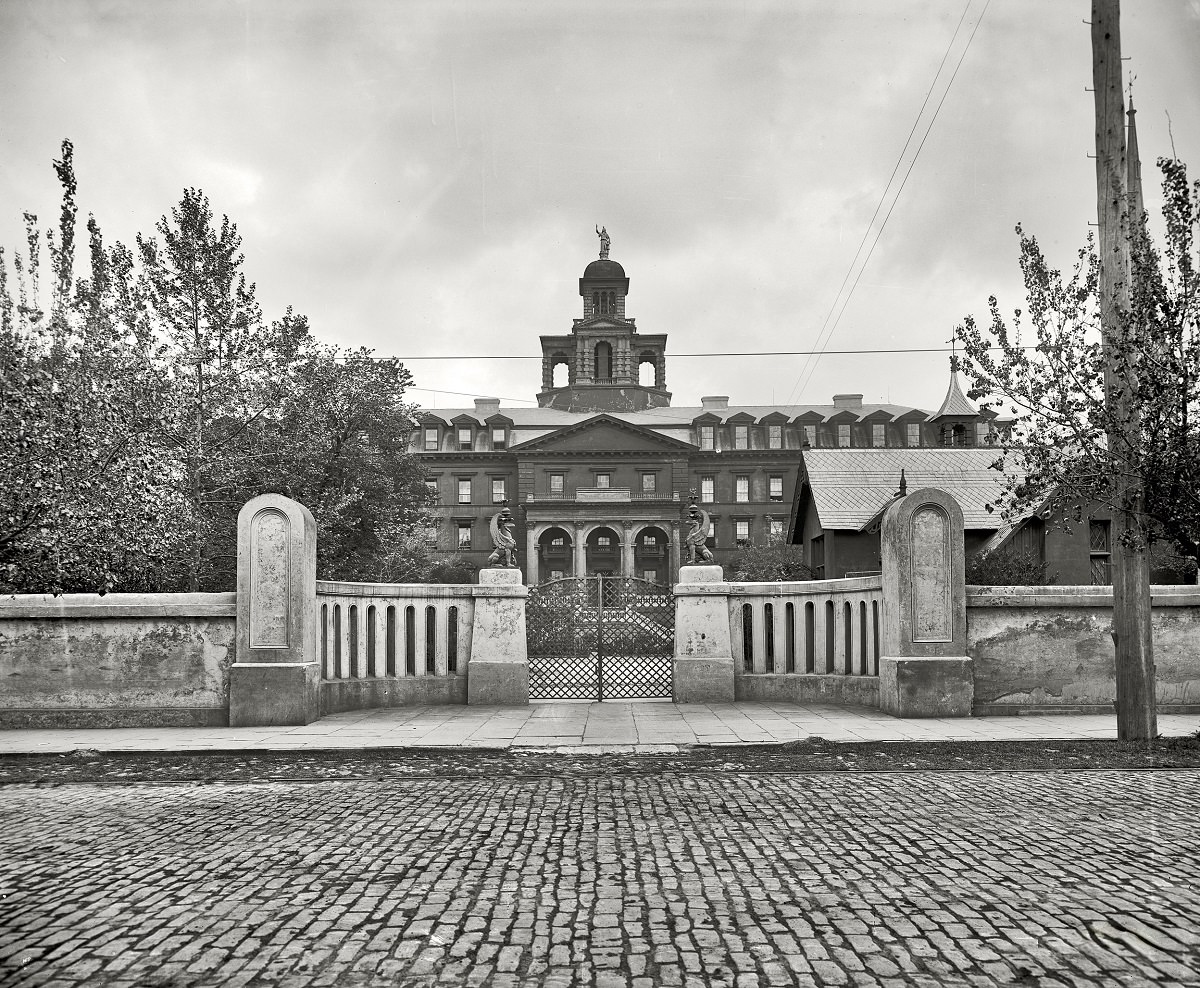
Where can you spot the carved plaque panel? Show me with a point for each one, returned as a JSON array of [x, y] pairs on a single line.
[[932, 612], [269, 589]]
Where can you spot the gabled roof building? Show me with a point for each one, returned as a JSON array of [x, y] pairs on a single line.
[[599, 473]]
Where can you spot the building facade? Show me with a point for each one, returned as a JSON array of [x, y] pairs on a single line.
[[598, 474]]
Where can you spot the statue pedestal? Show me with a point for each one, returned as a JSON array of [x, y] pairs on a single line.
[[702, 669], [498, 672]]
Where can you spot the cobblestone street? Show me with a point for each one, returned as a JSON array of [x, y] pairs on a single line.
[[1037, 878]]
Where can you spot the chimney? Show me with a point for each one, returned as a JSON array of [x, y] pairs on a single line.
[[847, 401], [715, 403], [486, 406]]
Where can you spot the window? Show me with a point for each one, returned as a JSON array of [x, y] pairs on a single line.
[[432, 487], [431, 535], [741, 488], [707, 437], [775, 487], [708, 489], [604, 481], [843, 435], [984, 436], [774, 437], [464, 535], [741, 531], [878, 434], [648, 482], [556, 483], [650, 542], [558, 542], [464, 437], [464, 491], [913, 433], [810, 435], [604, 541], [776, 530], [557, 574], [498, 494], [650, 575], [741, 437], [431, 440], [1100, 550], [499, 437]]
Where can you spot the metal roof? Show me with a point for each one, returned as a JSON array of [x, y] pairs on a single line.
[[851, 486], [955, 402]]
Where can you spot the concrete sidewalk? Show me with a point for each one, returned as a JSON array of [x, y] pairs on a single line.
[[610, 726]]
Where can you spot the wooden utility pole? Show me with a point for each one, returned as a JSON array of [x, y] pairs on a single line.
[[1136, 715]]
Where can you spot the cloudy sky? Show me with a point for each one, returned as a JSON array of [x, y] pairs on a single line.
[[424, 178]]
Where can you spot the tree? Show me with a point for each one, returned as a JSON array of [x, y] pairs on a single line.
[[337, 440], [228, 366], [1138, 455], [147, 402], [87, 500]]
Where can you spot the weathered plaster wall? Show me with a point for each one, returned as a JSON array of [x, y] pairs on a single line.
[[122, 660], [1050, 648]]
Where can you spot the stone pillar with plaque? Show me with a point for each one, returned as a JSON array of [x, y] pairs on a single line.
[[275, 678], [924, 669]]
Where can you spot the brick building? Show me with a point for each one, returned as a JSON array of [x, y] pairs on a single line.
[[598, 474]]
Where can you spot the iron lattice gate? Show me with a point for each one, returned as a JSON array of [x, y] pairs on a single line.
[[600, 638]]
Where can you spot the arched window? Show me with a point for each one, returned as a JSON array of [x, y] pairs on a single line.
[[647, 373], [560, 372], [603, 361]]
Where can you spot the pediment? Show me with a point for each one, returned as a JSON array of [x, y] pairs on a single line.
[[604, 434], [602, 324]]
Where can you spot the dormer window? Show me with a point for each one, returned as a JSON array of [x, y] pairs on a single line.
[[913, 433], [810, 435], [774, 437], [431, 440], [843, 433], [464, 437], [707, 437], [499, 437], [741, 437], [878, 434]]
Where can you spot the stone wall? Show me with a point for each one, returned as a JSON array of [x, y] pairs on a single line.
[[1045, 649], [122, 660]]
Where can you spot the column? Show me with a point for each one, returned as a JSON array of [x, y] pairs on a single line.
[[531, 558], [276, 676], [627, 561], [675, 552], [579, 551]]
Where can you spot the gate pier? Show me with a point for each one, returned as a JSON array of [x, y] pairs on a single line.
[[702, 668], [499, 667]]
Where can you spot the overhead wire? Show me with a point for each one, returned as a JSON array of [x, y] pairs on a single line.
[[810, 365]]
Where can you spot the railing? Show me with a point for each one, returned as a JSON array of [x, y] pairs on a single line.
[[824, 627], [393, 630]]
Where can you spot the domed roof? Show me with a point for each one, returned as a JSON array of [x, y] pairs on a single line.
[[604, 269]]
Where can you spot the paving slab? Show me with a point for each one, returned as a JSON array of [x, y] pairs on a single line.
[[640, 724]]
